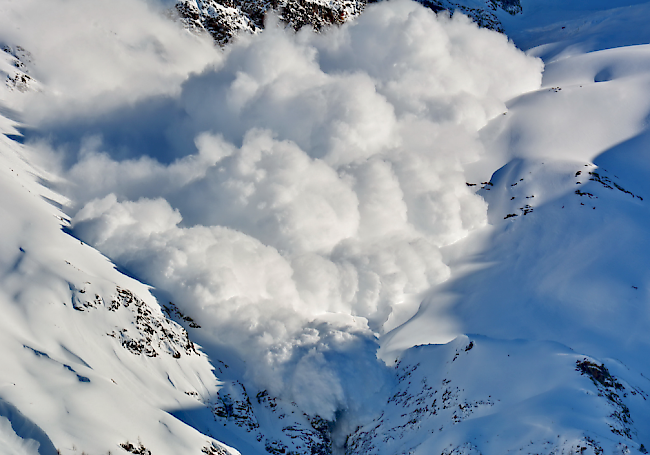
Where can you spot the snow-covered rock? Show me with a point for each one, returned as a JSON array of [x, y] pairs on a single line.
[[225, 19], [477, 395]]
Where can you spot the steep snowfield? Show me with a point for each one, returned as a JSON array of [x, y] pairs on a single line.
[[297, 202], [566, 211], [562, 260], [88, 359]]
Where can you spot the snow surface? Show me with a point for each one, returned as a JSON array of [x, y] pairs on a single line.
[[403, 182]]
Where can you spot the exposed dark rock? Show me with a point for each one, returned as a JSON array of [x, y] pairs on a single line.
[[225, 19], [610, 388], [212, 449], [151, 334], [135, 449]]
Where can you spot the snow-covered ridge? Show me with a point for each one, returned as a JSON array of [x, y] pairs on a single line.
[[225, 19]]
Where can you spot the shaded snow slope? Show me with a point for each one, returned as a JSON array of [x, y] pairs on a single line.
[[575, 144], [477, 395], [563, 259], [557, 28]]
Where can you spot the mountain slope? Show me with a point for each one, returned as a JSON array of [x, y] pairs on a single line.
[[478, 395], [562, 259], [298, 206]]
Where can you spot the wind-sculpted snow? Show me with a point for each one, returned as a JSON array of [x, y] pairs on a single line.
[[20, 435], [293, 196]]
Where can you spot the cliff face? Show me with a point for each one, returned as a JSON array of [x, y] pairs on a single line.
[[224, 19]]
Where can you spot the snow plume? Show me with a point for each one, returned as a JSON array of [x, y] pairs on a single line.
[[300, 187], [95, 56]]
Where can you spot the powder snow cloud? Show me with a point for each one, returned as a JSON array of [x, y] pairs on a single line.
[[291, 192]]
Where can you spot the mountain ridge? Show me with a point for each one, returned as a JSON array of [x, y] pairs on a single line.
[[225, 19]]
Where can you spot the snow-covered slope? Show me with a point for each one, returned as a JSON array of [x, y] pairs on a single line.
[[559, 28], [478, 395], [303, 203], [89, 361], [562, 260]]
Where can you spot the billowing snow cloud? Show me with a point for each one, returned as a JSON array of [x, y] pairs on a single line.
[[294, 195], [96, 56]]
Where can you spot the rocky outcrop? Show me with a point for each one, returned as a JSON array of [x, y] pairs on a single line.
[[149, 332], [225, 19], [17, 73], [274, 425]]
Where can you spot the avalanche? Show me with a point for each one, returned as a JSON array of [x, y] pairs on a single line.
[[394, 236]]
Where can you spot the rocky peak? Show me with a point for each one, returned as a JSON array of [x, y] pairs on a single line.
[[224, 19]]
